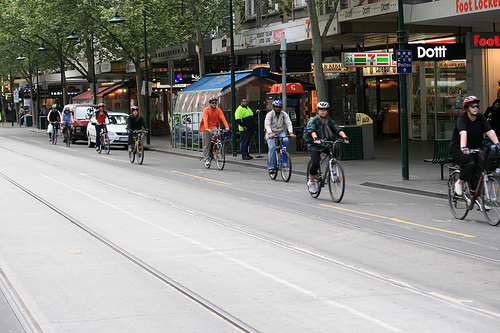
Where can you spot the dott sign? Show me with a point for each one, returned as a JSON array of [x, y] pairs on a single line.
[[437, 52], [484, 40]]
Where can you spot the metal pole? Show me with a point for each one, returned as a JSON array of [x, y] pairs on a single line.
[[12, 108], [146, 81], [402, 98], [283, 72], [93, 70], [233, 79], [37, 93], [33, 104], [171, 73]]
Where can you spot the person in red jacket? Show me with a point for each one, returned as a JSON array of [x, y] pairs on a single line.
[[211, 118]]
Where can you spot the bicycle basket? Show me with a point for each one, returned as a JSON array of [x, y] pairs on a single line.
[[489, 159]]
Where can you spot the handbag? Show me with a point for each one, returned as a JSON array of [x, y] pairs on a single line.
[[49, 128]]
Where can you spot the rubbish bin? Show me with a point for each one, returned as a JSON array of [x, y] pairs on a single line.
[[43, 122], [353, 150], [28, 120]]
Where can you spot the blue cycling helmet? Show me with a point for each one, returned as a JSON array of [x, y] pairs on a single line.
[[278, 103]]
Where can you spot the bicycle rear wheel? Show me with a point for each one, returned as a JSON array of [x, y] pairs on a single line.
[[220, 157], [336, 181], [491, 206], [458, 204], [286, 167], [106, 144], [318, 179], [140, 152]]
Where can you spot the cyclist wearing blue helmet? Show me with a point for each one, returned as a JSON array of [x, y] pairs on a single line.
[[277, 123]]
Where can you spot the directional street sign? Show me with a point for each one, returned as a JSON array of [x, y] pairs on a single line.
[[403, 61]]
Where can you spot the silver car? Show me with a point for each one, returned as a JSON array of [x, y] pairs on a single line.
[[117, 129]]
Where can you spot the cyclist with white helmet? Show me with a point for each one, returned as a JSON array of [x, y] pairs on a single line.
[[99, 119], [468, 134], [277, 123], [134, 122], [320, 127], [54, 118]]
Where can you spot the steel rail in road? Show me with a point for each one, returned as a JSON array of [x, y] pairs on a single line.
[[148, 268]]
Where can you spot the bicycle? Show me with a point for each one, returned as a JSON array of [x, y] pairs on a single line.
[[486, 195], [283, 161], [216, 149], [67, 133], [137, 148], [332, 173], [53, 134], [104, 143]]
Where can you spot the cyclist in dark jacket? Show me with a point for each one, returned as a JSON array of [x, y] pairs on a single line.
[[54, 119], [134, 122], [468, 134], [320, 127]]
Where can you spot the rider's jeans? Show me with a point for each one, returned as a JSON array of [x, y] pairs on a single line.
[[271, 143]]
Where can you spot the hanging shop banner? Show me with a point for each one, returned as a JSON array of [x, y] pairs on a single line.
[[484, 40], [437, 52], [367, 59]]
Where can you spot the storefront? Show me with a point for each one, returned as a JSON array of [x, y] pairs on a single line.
[[439, 85]]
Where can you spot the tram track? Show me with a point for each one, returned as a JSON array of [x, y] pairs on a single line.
[[269, 239]]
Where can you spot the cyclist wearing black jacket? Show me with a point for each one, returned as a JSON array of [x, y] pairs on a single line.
[[134, 122], [54, 119]]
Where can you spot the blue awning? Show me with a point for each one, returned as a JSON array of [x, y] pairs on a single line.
[[215, 82]]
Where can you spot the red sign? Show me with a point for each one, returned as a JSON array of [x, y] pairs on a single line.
[[278, 35], [484, 40]]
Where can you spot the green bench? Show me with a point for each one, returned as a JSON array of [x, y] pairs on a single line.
[[441, 153]]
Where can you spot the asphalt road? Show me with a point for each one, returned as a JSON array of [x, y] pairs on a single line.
[[93, 243]]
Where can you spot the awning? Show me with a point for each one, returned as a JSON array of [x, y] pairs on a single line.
[[87, 97], [215, 82], [195, 97]]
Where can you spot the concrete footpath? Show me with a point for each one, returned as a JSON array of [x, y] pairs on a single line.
[[384, 171]]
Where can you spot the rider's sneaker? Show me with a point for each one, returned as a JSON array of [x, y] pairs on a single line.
[[458, 189], [129, 149], [313, 187]]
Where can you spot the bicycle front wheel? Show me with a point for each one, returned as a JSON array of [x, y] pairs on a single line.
[[54, 137], [458, 204], [220, 157], [106, 144], [286, 167], [140, 152], [336, 181], [491, 205], [318, 180], [131, 153]]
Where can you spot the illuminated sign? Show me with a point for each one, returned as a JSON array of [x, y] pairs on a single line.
[[367, 59], [468, 6], [430, 52], [484, 40]]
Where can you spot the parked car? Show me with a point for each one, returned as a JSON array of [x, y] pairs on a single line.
[[117, 130], [81, 116]]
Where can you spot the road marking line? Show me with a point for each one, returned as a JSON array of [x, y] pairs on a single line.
[[399, 220], [212, 180], [74, 252], [36, 141]]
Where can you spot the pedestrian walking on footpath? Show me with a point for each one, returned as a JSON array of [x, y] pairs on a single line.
[[245, 118]]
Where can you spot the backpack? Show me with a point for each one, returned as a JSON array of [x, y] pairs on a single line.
[[307, 136]]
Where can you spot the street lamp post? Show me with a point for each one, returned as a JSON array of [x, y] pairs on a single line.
[[72, 36], [40, 49], [233, 79], [118, 19]]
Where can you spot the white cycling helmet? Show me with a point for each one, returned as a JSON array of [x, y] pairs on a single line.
[[323, 105], [54, 106]]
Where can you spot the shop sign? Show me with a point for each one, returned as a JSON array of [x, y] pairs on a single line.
[[374, 9], [367, 59], [469, 6], [484, 40], [264, 38], [333, 67], [437, 52]]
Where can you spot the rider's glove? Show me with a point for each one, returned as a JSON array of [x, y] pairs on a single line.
[[346, 139]]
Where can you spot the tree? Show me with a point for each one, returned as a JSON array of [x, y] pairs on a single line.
[[318, 39]]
